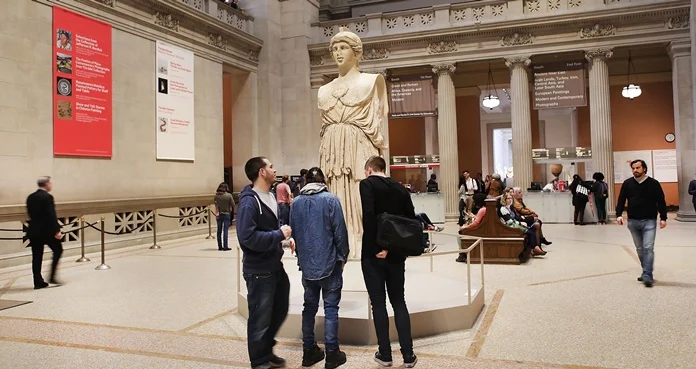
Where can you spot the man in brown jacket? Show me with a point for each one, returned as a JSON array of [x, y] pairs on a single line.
[[530, 216]]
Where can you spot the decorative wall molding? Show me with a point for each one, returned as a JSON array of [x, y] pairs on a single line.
[[383, 72], [678, 22], [217, 41], [442, 47], [517, 39], [316, 60], [603, 54], [110, 3], [254, 55], [375, 54], [598, 30], [444, 68], [167, 21], [521, 61]]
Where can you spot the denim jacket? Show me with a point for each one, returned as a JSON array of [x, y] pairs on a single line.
[[319, 230]]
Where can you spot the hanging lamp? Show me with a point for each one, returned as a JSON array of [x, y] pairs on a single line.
[[490, 101], [630, 91]]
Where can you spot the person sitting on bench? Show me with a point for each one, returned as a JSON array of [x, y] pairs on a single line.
[[510, 219], [427, 223], [529, 215], [479, 209]]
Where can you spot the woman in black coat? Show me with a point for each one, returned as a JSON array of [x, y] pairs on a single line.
[[580, 199]]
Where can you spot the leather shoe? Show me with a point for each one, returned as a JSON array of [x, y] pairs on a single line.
[[38, 286]]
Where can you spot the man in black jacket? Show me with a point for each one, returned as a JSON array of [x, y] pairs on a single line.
[[381, 194], [268, 287], [44, 229], [645, 199]]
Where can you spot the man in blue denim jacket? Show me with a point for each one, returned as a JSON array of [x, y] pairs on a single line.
[[322, 249]]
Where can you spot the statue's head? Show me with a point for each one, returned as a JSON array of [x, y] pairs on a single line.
[[346, 48]]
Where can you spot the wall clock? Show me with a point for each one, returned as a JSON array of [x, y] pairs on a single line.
[[669, 137]]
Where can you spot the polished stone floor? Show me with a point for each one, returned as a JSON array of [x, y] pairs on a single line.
[[578, 307]]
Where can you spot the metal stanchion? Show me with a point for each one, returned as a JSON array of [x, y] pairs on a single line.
[[103, 265], [154, 246], [82, 259], [210, 225]]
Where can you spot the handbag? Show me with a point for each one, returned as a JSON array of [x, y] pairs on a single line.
[[400, 234]]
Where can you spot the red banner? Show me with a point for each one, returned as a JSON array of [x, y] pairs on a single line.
[[82, 117]]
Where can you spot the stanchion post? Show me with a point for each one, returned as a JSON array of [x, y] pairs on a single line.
[[210, 225], [154, 246], [82, 259], [103, 265]]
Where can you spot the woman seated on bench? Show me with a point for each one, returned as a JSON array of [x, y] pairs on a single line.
[[508, 216], [479, 209]]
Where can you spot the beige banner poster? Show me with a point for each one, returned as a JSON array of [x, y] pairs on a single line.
[[559, 85], [411, 96]]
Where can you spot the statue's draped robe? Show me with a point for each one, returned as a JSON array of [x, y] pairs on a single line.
[[351, 133]]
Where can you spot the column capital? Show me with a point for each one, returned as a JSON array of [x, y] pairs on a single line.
[[598, 54], [442, 69], [679, 48], [520, 61]]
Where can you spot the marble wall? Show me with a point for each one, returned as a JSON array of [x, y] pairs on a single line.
[[26, 126]]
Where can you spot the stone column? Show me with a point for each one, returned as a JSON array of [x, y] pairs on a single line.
[[521, 121], [447, 139], [600, 120], [684, 129]]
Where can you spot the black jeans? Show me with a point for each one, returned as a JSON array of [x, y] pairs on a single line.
[[462, 206], [579, 217], [37, 251], [268, 299], [601, 204], [379, 273]]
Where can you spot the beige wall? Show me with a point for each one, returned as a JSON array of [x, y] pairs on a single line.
[[26, 126]]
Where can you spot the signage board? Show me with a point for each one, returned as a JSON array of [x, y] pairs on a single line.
[[559, 85]]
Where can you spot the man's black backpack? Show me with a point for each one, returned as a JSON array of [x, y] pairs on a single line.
[[400, 235]]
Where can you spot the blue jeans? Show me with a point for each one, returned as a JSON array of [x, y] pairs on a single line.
[[284, 214], [223, 226], [268, 298], [330, 289], [643, 233]]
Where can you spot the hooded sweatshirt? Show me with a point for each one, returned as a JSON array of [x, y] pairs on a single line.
[[259, 234]]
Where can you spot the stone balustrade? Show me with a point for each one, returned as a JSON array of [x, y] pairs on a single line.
[[233, 17], [461, 15]]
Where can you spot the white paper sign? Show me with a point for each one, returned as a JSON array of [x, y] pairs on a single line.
[[622, 163], [175, 103], [665, 165]]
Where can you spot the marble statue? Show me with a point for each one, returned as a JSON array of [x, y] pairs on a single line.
[[354, 110]]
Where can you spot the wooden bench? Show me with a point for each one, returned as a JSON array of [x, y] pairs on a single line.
[[508, 248]]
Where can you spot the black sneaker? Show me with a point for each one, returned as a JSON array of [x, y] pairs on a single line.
[[334, 359], [546, 242], [410, 361], [383, 360], [648, 282], [38, 286], [276, 362], [312, 356], [640, 279]]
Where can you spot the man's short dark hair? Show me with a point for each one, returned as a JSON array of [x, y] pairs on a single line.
[[466, 171], [642, 163], [377, 164], [315, 175], [252, 167], [43, 181], [303, 172]]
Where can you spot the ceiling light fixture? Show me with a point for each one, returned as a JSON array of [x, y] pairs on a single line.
[[490, 101], [631, 91]]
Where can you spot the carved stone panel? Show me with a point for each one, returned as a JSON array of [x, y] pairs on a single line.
[[167, 21], [442, 47], [598, 30], [217, 41], [517, 39], [681, 21], [375, 54]]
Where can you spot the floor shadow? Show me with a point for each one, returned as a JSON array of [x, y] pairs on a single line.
[[674, 284]]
